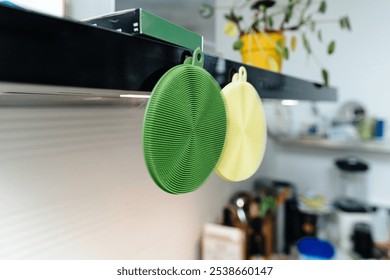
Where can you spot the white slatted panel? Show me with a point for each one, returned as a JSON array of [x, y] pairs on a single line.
[[73, 185]]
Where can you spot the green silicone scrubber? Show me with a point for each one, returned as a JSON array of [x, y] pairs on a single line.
[[184, 127]]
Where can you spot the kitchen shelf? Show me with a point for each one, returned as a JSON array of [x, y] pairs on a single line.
[[326, 144], [45, 55]]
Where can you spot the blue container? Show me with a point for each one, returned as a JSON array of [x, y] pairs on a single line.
[[379, 129], [311, 248]]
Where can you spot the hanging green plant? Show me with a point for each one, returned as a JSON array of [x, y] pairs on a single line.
[[270, 20]]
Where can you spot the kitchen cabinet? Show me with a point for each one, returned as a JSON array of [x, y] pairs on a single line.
[[45, 55]]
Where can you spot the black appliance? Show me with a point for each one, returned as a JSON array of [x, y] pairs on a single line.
[[362, 240]]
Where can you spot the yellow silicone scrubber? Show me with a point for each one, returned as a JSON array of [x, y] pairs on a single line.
[[246, 134]]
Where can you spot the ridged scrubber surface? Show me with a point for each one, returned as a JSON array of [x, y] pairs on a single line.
[[184, 129], [246, 132]]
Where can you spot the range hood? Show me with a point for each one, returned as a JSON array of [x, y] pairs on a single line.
[[41, 54]]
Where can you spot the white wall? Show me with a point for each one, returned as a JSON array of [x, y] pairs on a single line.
[[75, 9], [52, 7], [73, 185], [82, 9], [359, 69]]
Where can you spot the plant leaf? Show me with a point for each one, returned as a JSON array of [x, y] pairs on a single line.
[[304, 10], [229, 17], [270, 22], [308, 4], [231, 29], [325, 76], [286, 54], [255, 24], [293, 43], [238, 45], [331, 47], [273, 65], [319, 35], [279, 47], [322, 8], [345, 23], [342, 23], [288, 13], [306, 43]]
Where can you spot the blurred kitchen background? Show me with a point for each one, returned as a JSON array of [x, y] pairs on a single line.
[[73, 184]]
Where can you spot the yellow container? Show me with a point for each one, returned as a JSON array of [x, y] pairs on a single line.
[[260, 50]]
